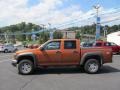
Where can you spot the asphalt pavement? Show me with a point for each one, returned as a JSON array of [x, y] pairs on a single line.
[[59, 79]]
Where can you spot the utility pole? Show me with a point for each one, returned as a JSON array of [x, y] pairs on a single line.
[[6, 37], [43, 27], [51, 32], [105, 31], [97, 37], [33, 35]]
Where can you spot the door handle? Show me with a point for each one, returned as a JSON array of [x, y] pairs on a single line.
[[75, 52], [58, 52]]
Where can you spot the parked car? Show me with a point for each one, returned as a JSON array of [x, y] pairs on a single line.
[[7, 48], [86, 44], [62, 52], [115, 48], [32, 46]]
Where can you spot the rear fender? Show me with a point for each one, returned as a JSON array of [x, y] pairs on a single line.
[[90, 54]]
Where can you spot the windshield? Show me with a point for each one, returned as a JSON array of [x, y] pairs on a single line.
[[42, 45]]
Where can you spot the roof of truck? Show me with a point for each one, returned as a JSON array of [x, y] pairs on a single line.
[[63, 39]]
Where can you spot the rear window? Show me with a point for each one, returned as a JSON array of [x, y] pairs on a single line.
[[113, 44], [107, 44], [69, 44]]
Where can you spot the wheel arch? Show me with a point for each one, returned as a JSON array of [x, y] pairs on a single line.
[[87, 56], [29, 56]]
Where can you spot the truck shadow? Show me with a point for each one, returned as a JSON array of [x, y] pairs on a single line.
[[104, 70], [57, 71], [108, 69]]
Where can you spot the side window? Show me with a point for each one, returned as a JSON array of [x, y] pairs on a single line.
[[10, 46], [105, 44], [113, 44], [6, 46], [69, 44], [108, 44], [53, 45], [98, 44]]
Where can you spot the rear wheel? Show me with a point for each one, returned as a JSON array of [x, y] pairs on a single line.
[[92, 66], [25, 67]]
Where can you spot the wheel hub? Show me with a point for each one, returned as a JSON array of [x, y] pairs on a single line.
[[26, 67], [93, 67]]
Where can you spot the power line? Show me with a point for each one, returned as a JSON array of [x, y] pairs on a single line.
[[27, 33], [115, 10], [76, 21], [116, 19]]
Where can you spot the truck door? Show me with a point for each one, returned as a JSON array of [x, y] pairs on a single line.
[[51, 55], [70, 52]]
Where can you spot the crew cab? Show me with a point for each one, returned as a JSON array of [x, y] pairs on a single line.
[[59, 53], [115, 48]]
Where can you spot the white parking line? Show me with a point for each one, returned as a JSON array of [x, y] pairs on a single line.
[[4, 61]]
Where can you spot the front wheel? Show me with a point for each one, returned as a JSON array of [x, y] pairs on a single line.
[[92, 66], [25, 67]]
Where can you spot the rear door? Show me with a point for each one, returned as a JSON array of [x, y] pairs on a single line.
[[11, 48], [70, 52]]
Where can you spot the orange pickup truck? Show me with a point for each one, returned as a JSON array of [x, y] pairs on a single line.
[[62, 52]]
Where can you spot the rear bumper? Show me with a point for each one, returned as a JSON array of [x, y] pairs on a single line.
[[14, 63]]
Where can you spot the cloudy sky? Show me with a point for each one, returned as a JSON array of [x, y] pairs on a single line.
[[56, 12]]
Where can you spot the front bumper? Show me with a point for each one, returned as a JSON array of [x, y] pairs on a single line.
[[14, 63]]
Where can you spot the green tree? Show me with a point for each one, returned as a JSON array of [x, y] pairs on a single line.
[[43, 37], [57, 35], [77, 36]]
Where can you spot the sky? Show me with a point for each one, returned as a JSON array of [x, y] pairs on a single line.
[[57, 12]]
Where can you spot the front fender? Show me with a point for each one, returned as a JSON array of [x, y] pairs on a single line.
[[27, 55]]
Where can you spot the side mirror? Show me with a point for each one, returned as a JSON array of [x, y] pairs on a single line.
[[41, 48]]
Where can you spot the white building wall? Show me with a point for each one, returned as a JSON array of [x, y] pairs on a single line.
[[114, 37]]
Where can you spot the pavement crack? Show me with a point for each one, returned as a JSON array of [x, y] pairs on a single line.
[[21, 88]]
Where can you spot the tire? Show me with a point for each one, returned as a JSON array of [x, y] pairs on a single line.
[[25, 67], [15, 50], [92, 66], [5, 51]]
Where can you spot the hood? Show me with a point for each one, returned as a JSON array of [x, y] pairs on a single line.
[[27, 50]]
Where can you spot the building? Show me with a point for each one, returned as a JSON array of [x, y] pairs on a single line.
[[114, 37], [72, 34], [68, 34]]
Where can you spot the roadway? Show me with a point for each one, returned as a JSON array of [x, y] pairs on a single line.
[[59, 79]]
